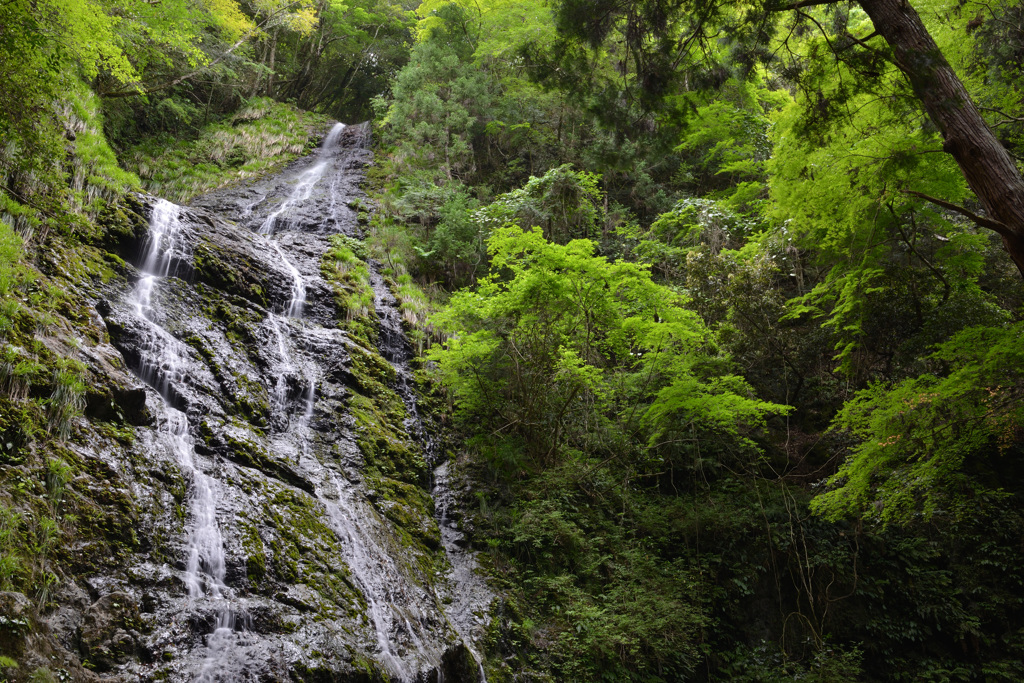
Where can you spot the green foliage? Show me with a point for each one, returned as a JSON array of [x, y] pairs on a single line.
[[608, 593], [561, 347], [933, 444], [891, 257], [11, 563], [67, 401], [725, 141], [693, 225], [564, 203], [60, 188], [434, 112], [643, 187], [350, 279], [55, 160], [11, 269], [767, 664]]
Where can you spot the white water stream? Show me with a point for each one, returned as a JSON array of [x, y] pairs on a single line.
[[160, 365], [304, 185], [403, 637], [374, 571], [472, 592]]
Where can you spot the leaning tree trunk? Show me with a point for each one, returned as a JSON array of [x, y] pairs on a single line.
[[990, 171]]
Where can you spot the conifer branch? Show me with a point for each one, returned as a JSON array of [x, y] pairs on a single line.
[[801, 5], [982, 221]]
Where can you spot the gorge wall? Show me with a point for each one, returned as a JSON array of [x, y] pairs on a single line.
[[268, 503]]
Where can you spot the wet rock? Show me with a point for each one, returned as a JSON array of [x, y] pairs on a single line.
[[457, 664], [109, 632], [236, 445], [118, 404], [242, 264], [279, 527], [15, 622], [124, 227]]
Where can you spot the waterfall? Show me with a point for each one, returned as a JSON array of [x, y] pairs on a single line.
[[304, 183], [394, 345], [298, 296], [347, 563], [371, 565], [160, 366]]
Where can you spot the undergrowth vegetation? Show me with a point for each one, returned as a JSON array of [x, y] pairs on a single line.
[[262, 136]]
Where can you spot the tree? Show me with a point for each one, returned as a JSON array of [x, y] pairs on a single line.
[[561, 348], [566, 204], [985, 163], [437, 99], [940, 443], [666, 42]]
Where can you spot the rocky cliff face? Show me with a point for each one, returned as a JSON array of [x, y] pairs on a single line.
[[255, 495]]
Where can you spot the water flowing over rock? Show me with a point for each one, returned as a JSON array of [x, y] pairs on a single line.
[[297, 522]]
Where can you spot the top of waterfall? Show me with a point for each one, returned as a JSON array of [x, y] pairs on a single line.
[[164, 229], [333, 135], [305, 181]]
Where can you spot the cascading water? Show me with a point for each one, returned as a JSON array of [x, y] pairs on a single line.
[[366, 559], [295, 556], [160, 366], [304, 184], [298, 298], [473, 594]]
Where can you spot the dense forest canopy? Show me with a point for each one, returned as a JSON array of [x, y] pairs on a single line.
[[724, 300]]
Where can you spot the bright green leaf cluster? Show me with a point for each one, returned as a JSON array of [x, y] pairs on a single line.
[[559, 346]]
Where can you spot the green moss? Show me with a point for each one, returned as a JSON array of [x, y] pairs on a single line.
[[385, 446], [80, 263], [372, 374], [344, 267], [252, 403], [250, 453], [231, 273], [255, 553], [20, 425], [123, 434], [305, 550], [410, 509]]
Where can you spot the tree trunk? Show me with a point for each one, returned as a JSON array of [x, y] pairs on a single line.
[[270, 64], [990, 171]]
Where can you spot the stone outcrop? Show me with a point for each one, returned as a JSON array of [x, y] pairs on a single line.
[[308, 437]]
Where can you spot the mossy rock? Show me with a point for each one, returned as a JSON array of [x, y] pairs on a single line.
[[372, 375], [123, 227], [229, 441], [108, 635], [385, 446], [16, 623], [410, 508], [229, 271], [255, 554], [303, 549]]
